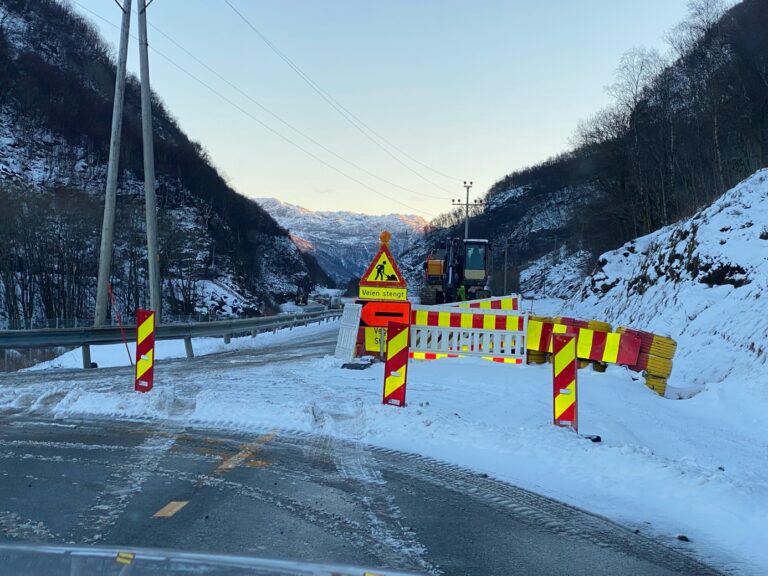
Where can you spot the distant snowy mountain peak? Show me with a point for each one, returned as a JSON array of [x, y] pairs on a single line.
[[344, 242]]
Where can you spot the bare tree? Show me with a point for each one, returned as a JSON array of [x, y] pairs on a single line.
[[703, 17], [637, 70]]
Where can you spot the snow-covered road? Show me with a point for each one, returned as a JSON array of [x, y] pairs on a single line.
[[665, 468]]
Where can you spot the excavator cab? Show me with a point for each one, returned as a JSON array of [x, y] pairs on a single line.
[[476, 262], [458, 263]]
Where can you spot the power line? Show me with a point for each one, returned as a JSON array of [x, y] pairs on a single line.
[[336, 105], [288, 124], [261, 123]]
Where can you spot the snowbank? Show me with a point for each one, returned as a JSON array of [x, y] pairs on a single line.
[[112, 355]]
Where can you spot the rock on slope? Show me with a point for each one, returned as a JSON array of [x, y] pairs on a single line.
[[702, 281], [344, 242]]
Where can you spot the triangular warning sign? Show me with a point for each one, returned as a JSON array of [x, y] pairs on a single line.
[[383, 271]]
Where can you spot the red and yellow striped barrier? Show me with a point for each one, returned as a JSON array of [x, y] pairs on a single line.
[[443, 319], [431, 356], [488, 320], [498, 303], [539, 334], [564, 377], [396, 365], [145, 350], [609, 347], [437, 356]]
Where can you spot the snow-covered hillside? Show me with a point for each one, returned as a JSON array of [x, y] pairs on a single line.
[[701, 281], [344, 242], [537, 224], [39, 162], [220, 253], [557, 274]]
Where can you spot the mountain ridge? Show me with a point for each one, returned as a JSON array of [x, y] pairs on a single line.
[[344, 242]]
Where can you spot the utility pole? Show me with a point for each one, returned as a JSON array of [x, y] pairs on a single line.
[[466, 205], [108, 224], [153, 257], [506, 245]]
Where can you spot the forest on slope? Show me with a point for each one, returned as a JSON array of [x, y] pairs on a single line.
[[57, 80], [682, 129]]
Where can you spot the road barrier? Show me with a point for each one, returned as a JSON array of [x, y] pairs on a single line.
[[607, 347], [655, 358], [564, 381], [347, 340], [87, 336], [638, 350], [145, 350], [396, 366], [442, 332], [511, 302]]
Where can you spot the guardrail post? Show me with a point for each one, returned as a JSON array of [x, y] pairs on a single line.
[[86, 356], [254, 333], [188, 347], [227, 338]]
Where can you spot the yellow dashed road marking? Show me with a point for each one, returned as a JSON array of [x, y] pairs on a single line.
[[246, 453], [170, 509], [125, 557]]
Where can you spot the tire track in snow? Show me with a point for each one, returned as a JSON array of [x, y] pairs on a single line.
[[398, 545], [124, 482]]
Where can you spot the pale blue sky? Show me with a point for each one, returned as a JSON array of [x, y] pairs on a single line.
[[474, 89]]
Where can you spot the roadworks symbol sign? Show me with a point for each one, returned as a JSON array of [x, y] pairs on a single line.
[[383, 271]]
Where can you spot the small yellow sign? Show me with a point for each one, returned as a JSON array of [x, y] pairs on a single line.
[[381, 270], [373, 340], [368, 293]]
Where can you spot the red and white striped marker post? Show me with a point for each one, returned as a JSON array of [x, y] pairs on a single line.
[[145, 350], [564, 372], [396, 365]]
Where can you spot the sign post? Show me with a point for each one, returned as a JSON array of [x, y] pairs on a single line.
[[145, 350], [564, 373]]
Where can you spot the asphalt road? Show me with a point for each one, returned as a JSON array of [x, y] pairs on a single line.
[[285, 495], [295, 497]]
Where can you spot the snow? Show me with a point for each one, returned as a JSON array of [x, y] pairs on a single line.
[[498, 199], [658, 469], [556, 274], [666, 467], [685, 281], [658, 462], [112, 355]]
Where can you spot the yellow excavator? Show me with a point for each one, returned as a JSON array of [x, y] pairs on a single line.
[[458, 270]]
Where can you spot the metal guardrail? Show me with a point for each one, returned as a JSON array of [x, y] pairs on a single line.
[[85, 336]]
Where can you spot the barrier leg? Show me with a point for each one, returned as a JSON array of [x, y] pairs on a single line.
[[382, 344], [188, 347]]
